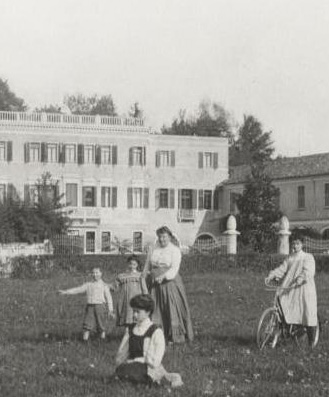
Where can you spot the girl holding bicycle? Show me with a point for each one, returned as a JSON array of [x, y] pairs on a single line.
[[299, 302]]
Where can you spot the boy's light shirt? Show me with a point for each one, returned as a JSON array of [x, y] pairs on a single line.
[[97, 293]]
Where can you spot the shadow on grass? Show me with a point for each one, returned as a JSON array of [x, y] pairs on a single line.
[[63, 337], [234, 340]]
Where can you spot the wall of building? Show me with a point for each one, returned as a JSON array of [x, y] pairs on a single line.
[[315, 214], [122, 221]]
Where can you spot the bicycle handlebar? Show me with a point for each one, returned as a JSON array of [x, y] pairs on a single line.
[[272, 287]]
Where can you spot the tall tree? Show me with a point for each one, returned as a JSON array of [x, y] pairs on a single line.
[[33, 222], [8, 99], [258, 210], [92, 105], [253, 145], [212, 120]]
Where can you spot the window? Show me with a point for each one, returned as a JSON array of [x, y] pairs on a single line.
[[301, 197], [165, 198], [72, 194], [31, 194], [89, 196], [34, 152], [187, 199], [205, 199], [70, 153], [2, 193], [90, 242], [109, 196], [2, 151], [105, 155], [138, 242], [89, 154], [326, 194], [208, 160], [137, 156], [52, 153], [165, 158], [106, 241], [138, 197], [233, 199]]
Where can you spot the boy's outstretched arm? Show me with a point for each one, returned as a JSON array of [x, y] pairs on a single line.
[[72, 291]]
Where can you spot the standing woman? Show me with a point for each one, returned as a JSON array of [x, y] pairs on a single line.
[[167, 289]]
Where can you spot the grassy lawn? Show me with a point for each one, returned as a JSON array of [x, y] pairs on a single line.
[[41, 353]]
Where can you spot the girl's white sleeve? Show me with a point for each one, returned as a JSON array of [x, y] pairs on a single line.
[[123, 352], [156, 349], [280, 271], [176, 258]]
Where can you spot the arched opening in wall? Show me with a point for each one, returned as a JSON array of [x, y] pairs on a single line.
[[205, 243], [325, 234]]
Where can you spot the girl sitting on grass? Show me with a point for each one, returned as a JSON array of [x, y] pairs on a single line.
[[142, 348], [128, 284], [98, 298]]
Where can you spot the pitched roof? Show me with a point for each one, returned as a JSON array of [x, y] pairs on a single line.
[[286, 167]]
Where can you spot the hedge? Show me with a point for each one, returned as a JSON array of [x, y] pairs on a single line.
[[40, 267]]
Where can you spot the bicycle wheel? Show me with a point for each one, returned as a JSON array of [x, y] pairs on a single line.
[[268, 328], [301, 337]]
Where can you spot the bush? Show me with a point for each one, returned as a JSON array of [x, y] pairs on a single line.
[[33, 267]]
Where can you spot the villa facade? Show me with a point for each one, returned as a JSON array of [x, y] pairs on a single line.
[[119, 178]]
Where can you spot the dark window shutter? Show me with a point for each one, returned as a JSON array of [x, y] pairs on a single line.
[[130, 197], [172, 158], [103, 191], [194, 199], [11, 192], [80, 153], [157, 158], [61, 157], [146, 197], [216, 199], [200, 160], [143, 155], [43, 152], [201, 206], [157, 199], [95, 196], [172, 198], [215, 160], [98, 155], [179, 198], [131, 156], [114, 196], [27, 194], [114, 155], [26, 152], [9, 151]]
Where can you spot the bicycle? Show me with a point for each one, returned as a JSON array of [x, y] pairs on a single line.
[[272, 325]]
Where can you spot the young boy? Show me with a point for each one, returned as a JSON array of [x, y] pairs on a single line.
[[98, 298], [143, 346]]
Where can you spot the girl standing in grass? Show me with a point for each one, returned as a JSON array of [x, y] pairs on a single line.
[[128, 284]]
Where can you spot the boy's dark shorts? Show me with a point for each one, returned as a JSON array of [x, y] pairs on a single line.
[[95, 318]]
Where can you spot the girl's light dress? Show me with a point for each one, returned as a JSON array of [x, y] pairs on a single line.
[[128, 284]]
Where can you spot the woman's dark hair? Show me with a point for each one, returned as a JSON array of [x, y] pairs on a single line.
[[136, 259], [163, 230], [143, 302]]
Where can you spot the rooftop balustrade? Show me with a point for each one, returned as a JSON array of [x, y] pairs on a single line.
[[60, 121]]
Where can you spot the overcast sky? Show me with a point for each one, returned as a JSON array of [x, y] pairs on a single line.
[[266, 58]]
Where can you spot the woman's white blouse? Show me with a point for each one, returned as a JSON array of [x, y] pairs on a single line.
[[168, 258], [153, 348]]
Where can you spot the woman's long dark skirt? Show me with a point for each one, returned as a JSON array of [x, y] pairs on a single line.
[[172, 312]]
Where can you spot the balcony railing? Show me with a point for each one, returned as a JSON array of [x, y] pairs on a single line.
[[186, 215], [84, 213], [56, 120]]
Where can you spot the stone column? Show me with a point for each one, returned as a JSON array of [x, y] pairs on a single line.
[[283, 236], [231, 235]]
